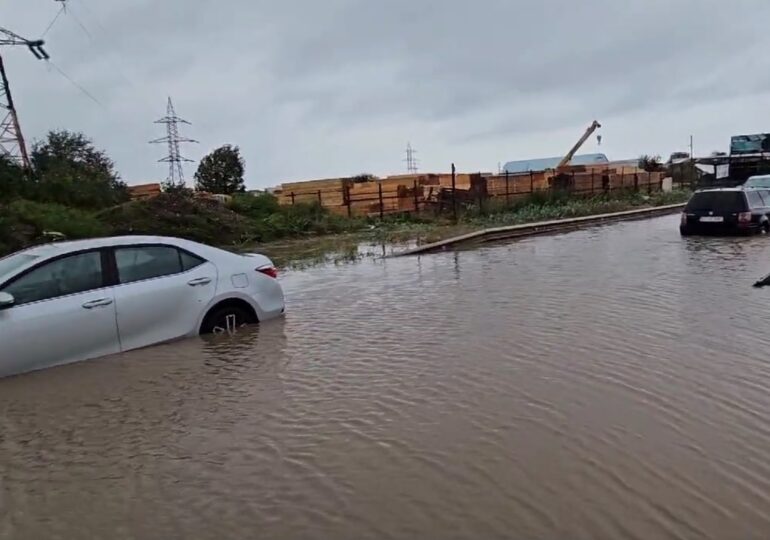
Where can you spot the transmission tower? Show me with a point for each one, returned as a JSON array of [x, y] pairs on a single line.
[[411, 161], [11, 139], [174, 158]]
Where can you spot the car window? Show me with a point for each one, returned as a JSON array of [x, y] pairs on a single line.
[[12, 262], [190, 261], [717, 201], [758, 181], [146, 262], [61, 277], [755, 201]]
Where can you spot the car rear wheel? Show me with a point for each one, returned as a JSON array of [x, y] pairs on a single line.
[[227, 320]]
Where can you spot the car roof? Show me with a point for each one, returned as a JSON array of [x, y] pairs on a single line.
[[57, 248], [53, 249], [726, 189]]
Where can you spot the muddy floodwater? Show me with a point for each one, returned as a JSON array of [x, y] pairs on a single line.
[[606, 383]]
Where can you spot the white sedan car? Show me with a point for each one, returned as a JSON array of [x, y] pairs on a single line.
[[71, 301]]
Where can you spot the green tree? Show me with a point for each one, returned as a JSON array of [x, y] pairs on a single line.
[[221, 171], [650, 163], [12, 179], [69, 170], [176, 188], [363, 177]]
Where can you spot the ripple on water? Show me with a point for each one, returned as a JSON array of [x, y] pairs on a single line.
[[605, 383]]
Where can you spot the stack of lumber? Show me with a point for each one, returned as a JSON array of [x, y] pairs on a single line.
[[143, 191], [462, 180], [593, 182], [364, 197], [518, 184], [329, 192], [617, 167], [400, 193]]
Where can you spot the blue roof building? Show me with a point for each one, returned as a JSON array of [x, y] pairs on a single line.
[[527, 165]]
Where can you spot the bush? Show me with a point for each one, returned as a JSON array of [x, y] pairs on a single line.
[[271, 221], [71, 222], [23, 223], [179, 215], [255, 206]]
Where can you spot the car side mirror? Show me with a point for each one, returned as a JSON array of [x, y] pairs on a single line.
[[6, 300]]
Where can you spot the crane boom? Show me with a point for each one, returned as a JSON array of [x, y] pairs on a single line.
[[566, 159]]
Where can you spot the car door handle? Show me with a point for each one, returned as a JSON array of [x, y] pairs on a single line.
[[199, 281], [98, 303]]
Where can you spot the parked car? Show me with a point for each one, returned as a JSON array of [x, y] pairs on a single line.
[[725, 211], [761, 181], [72, 301]]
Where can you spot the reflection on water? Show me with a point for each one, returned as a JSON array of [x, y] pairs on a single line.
[[607, 383], [334, 250]]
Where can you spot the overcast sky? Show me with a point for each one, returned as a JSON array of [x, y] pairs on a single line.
[[323, 88]]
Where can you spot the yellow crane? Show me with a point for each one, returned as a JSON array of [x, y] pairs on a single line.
[[566, 159]]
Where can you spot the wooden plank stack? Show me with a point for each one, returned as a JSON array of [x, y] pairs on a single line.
[[143, 191], [329, 192], [518, 184], [410, 192], [345, 196]]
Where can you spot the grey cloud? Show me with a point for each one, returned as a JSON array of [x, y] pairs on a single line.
[[292, 82]]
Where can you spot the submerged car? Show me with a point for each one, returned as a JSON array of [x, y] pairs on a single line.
[[727, 211], [72, 301]]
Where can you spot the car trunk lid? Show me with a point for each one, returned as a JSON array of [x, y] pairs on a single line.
[[716, 207]]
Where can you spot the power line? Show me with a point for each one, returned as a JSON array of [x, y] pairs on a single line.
[[117, 69], [55, 18], [174, 158], [85, 92], [81, 25], [93, 15]]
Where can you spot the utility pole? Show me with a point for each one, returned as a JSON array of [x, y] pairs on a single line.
[[691, 152], [12, 144], [174, 158], [411, 161]]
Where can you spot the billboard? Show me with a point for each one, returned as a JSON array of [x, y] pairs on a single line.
[[750, 144]]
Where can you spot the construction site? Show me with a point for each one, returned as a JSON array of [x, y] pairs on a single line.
[[452, 191]]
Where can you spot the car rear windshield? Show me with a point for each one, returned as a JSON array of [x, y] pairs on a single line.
[[717, 201]]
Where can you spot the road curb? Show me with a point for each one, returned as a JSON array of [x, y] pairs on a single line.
[[541, 227]]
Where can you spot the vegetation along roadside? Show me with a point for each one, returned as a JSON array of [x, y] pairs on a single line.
[[74, 190]]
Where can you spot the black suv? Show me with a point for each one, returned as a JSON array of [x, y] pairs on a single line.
[[727, 210]]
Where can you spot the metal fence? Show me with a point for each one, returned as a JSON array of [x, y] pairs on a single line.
[[482, 194]]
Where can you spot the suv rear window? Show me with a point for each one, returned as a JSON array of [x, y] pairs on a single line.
[[717, 201], [755, 201]]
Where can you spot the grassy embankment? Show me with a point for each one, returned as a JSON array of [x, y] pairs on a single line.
[[249, 220]]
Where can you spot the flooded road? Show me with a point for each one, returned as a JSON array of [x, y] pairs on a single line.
[[607, 383]]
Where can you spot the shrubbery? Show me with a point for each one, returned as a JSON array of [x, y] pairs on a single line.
[[73, 189]]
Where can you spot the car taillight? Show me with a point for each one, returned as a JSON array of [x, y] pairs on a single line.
[[271, 271], [744, 217]]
